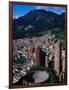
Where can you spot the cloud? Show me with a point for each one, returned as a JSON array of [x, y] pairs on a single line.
[[39, 7], [54, 8], [58, 10]]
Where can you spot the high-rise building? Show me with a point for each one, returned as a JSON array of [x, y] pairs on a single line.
[[57, 57], [63, 65], [37, 55], [30, 51], [46, 61]]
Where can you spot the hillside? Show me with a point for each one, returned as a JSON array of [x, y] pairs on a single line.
[[36, 22]]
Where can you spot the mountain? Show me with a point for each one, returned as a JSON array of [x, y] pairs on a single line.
[[35, 22]]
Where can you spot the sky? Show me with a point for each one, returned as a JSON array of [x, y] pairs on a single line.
[[21, 10]]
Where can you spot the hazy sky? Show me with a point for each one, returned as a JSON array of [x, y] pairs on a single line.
[[20, 10]]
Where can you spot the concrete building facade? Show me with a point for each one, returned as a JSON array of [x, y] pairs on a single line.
[[57, 57]]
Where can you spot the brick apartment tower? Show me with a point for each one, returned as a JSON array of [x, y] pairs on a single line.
[[57, 58], [37, 55]]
